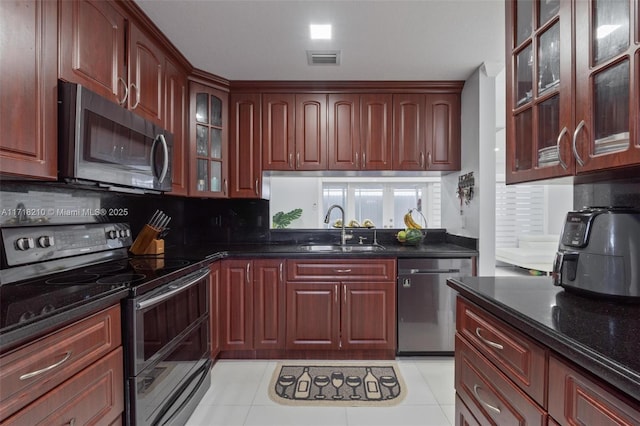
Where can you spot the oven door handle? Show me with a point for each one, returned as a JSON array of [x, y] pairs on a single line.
[[173, 289]]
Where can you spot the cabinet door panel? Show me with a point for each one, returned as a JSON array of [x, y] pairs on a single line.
[[369, 316], [145, 75], [71, 349], [269, 304], [175, 121], [489, 394], [278, 132], [575, 399], [443, 132], [92, 47], [244, 150], [408, 137], [313, 315], [344, 132], [517, 356], [377, 132], [28, 108], [311, 132], [237, 305], [93, 396]]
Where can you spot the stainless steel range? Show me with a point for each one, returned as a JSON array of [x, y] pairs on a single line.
[[52, 271]]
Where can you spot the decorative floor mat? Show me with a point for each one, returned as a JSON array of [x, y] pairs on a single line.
[[338, 383]]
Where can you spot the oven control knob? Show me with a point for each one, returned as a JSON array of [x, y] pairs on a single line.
[[121, 233], [112, 235], [127, 233], [24, 244], [46, 241]]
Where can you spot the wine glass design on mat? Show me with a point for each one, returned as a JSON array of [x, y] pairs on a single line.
[[362, 383]]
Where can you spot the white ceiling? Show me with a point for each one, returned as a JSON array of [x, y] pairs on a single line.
[[378, 40]]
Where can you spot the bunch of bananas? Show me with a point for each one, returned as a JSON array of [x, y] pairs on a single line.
[[410, 222]]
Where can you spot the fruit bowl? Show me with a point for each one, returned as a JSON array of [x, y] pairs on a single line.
[[411, 237]]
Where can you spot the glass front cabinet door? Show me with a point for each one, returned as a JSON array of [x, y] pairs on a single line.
[[209, 142], [566, 118], [607, 84], [539, 89]]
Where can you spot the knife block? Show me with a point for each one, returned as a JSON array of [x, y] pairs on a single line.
[[156, 247], [146, 242]]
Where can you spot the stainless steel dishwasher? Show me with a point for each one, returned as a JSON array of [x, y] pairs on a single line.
[[426, 305]]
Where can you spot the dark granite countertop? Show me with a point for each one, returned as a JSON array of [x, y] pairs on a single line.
[[101, 298], [599, 335], [203, 254]]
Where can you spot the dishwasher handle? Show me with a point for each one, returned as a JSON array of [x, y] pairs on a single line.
[[428, 271]]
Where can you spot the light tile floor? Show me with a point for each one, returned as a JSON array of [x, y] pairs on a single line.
[[239, 396]]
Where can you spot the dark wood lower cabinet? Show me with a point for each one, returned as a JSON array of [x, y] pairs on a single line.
[[463, 415], [489, 394], [341, 305], [500, 387], [252, 306], [93, 396], [214, 308], [71, 376], [313, 316], [576, 399]]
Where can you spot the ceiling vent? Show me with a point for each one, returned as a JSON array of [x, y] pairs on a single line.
[[323, 57]]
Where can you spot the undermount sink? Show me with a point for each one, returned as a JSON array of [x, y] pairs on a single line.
[[339, 248]]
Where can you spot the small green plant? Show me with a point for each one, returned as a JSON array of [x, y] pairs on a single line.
[[281, 220]]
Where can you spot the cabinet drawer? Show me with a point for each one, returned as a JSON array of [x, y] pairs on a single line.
[[517, 356], [489, 394], [34, 369], [576, 399], [342, 270], [93, 396]]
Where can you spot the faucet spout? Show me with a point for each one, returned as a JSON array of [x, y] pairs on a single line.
[[343, 236]]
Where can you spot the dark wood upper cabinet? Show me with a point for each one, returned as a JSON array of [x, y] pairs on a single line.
[[28, 108], [145, 75], [607, 109], [572, 89], [245, 168], [426, 132], [208, 141], [344, 132], [376, 134], [176, 109], [92, 47], [409, 146], [310, 132], [443, 132], [278, 131]]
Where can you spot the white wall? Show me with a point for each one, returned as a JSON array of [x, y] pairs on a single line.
[[301, 192], [477, 219], [559, 202]]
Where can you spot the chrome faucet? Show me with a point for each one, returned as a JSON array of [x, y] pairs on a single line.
[[343, 236]]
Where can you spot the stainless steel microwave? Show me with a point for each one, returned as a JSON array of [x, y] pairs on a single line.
[[103, 143]]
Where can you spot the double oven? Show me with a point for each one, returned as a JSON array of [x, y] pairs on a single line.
[[49, 272]]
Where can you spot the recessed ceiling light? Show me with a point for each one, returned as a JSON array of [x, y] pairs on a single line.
[[320, 32]]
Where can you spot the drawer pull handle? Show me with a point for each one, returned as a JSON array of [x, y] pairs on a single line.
[[72, 422], [49, 368], [488, 342], [486, 404], [343, 271]]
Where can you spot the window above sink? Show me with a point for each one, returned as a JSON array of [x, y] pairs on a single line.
[[382, 200]]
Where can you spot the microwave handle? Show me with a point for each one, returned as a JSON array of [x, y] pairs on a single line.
[[165, 150]]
